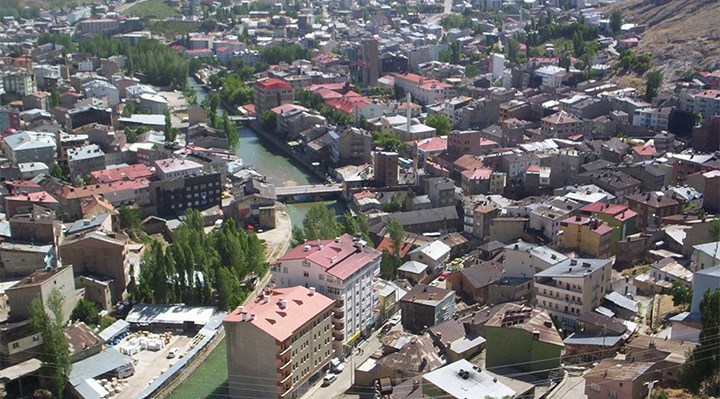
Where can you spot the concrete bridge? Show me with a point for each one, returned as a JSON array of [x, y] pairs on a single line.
[[309, 193]]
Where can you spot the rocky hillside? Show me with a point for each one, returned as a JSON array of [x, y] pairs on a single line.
[[681, 34]]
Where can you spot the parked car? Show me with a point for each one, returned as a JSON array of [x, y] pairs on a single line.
[[443, 276], [337, 365], [173, 352], [395, 319], [329, 379], [386, 328]]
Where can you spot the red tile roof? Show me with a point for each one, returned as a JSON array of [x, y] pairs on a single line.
[[131, 172], [477, 174], [38, 196], [281, 109], [644, 150], [301, 306], [386, 245], [69, 192], [272, 84], [410, 77], [433, 144]]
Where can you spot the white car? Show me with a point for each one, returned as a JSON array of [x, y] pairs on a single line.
[[329, 379], [337, 365], [173, 352], [395, 319]]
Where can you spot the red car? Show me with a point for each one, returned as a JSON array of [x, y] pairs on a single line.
[[443, 276], [386, 328]]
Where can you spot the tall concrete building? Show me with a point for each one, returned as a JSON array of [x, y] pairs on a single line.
[[278, 342], [365, 63], [386, 168], [270, 93], [343, 269]]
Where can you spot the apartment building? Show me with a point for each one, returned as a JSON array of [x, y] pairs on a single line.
[[652, 118], [276, 343], [573, 287], [425, 91], [27, 146], [343, 269], [39, 285], [706, 102], [270, 93], [560, 125], [171, 168], [85, 159], [524, 260], [589, 236], [653, 205]]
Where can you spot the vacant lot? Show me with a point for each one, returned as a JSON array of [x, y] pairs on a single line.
[[171, 29], [152, 9]]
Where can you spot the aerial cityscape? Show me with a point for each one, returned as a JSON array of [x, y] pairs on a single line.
[[369, 199]]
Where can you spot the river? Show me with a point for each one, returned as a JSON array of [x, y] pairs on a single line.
[[209, 380], [279, 169]]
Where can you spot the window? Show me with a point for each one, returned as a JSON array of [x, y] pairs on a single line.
[[321, 277], [306, 274], [15, 345], [613, 394]]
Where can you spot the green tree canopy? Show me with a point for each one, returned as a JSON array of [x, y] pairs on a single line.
[[86, 312], [654, 80], [319, 224], [616, 18], [440, 122], [55, 352], [701, 364]]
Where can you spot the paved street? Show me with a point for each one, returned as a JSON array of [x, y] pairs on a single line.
[[574, 388], [341, 388]]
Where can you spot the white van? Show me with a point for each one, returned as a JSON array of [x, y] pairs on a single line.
[[173, 352]]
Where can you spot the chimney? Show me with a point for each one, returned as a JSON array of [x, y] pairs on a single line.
[[312, 291], [536, 335], [282, 304]]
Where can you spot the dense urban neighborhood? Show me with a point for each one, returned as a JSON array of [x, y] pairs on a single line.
[[376, 199]]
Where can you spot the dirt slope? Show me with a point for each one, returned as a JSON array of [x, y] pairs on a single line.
[[681, 34]]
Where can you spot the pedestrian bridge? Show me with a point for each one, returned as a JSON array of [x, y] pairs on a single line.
[[309, 193]]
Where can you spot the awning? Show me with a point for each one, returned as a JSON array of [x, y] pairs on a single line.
[[353, 338]]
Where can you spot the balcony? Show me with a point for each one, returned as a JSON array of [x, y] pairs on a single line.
[[284, 390], [283, 364], [339, 302], [283, 351], [338, 324], [283, 378], [338, 335]]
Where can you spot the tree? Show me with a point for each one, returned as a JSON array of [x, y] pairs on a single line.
[[471, 71], [514, 50], [130, 217], [228, 289], [616, 21], [455, 51], [86, 312], [682, 295], [397, 236], [169, 133], [55, 352], [654, 81], [440, 122], [702, 362], [578, 44], [54, 98], [268, 121], [319, 224], [57, 172], [357, 226]]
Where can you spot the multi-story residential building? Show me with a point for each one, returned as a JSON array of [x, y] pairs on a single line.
[[99, 88], [270, 93], [364, 63], [39, 285], [95, 26], [560, 125], [425, 91], [426, 306], [589, 236], [706, 102], [525, 337], [19, 84], [469, 142], [85, 159], [624, 379], [524, 260], [551, 76], [620, 217], [174, 196], [117, 193], [100, 253], [441, 191], [278, 342], [9, 118], [386, 168], [27, 146], [573, 287], [350, 146], [171, 168], [653, 205], [343, 269], [652, 118]]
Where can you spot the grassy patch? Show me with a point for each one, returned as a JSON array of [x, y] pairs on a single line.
[[209, 380], [171, 29], [152, 9]]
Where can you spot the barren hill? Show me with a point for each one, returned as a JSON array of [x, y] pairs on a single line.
[[681, 34]]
